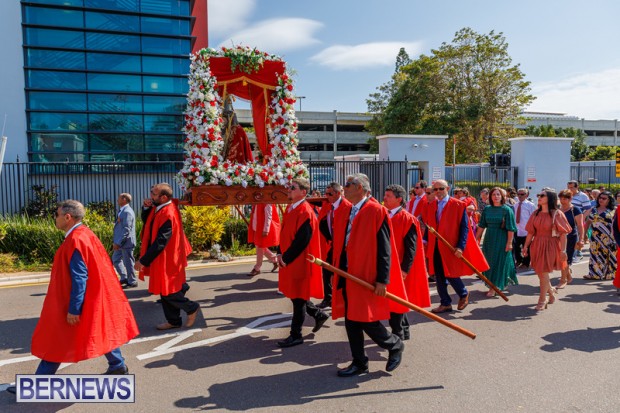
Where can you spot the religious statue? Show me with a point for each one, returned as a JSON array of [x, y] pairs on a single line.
[[236, 144]]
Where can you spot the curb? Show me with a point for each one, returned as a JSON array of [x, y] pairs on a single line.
[[44, 277]]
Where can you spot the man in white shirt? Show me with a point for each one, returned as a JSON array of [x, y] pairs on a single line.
[[523, 210]]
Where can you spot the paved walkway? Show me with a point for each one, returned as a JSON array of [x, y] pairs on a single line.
[[30, 278]]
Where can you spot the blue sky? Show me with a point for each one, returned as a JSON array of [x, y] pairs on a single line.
[[342, 50]]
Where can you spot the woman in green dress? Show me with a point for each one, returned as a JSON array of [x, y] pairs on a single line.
[[499, 221]]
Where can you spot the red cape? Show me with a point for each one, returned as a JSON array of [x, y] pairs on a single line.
[[420, 208], [416, 283], [449, 229], [364, 305], [167, 272], [273, 237], [106, 322], [300, 278]]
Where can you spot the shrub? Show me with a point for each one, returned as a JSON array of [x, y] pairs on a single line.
[[204, 225], [103, 208], [44, 203], [235, 231], [33, 240], [9, 263], [101, 227]]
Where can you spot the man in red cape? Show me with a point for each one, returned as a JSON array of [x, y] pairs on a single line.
[[264, 232], [328, 214], [163, 257], [418, 202], [410, 248], [448, 216], [85, 313], [298, 278], [364, 247]]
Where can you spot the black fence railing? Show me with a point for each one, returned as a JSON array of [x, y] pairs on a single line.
[[476, 177], [96, 182], [599, 173]]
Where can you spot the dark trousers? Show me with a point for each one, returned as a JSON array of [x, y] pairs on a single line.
[[442, 281], [399, 323], [175, 302], [327, 278], [375, 330], [516, 250], [300, 308]]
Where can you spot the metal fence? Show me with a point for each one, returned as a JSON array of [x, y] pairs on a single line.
[[476, 177], [97, 182], [600, 173]]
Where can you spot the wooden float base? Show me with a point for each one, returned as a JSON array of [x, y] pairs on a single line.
[[214, 195]]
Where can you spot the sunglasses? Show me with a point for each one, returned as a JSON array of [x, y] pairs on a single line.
[[417, 187], [328, 193], [541, 195], [348, 184], [441, 188], [603, 198], [293, 187]]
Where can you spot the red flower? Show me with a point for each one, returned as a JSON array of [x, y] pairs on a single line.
[[289, 87], [251, 172], [237, 172], [283, 131]]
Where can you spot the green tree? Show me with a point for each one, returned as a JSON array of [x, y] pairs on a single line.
[[468, 89], [602, 153]]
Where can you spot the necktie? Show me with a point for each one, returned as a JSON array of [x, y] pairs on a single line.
[[519, 212], [348, 233]]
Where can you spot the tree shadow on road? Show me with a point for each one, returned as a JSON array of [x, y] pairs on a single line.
[[588, 340], [288, 389]]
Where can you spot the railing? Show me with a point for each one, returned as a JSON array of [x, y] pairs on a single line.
[[599, 173], [98, 181], [476, 177]]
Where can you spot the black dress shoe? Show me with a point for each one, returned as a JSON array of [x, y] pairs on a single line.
[[394, 359], [325, 305], [123, 283], [117, 371], [320, 320], [352, 370], [11, 389], [126, 286], [290, 342]]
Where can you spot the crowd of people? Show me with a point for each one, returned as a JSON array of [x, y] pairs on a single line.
[[396, 245]]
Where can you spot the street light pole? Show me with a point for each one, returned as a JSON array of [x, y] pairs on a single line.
[[300, 98]]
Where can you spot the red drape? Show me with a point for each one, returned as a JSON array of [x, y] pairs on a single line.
[[256, 87]]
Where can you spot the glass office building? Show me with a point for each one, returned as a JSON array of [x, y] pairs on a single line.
[[106, 79]]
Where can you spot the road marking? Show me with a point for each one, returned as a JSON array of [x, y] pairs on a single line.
[[254, 327]]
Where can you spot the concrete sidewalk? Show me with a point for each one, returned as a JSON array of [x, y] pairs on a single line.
[[21, 278]]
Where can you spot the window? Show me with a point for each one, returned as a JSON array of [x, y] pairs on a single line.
[[114, 103], [62, 2], [53, 17], [165, 104], [130, 5], [110, 122], [164, 143], [159, 84], [58, 147], [165, 45], [41, 79], [165, 26], [112, 42], [108, 82], [113, 62], [54, 38], [161, 123], [167, 65], [57, 101], [57, 121], [116, 142], [54, 59], [115, 22], [171, 7]]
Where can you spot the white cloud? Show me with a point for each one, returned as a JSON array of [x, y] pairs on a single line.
[[364, 55], [589, 95], [277, 35], [226, 16]]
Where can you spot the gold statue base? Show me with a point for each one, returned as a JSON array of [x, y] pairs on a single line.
[[215, 195]]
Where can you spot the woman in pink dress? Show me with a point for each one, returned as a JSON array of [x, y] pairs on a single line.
[[546, 232]]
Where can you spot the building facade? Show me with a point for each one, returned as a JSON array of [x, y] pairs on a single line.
[[100, 80]]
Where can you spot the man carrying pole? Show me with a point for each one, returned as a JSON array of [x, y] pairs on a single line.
[[363, 246], [449, 217]]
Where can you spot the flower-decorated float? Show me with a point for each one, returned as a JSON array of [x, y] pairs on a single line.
[[219, 167]]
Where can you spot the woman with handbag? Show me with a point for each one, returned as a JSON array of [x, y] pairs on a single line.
[[499, 222], [546, 233], [574, 240], [602, 244]]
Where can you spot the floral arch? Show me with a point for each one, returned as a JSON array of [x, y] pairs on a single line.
[[249, 74]]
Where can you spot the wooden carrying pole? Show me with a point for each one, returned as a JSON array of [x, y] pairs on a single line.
[[469, 264], [392, 297]]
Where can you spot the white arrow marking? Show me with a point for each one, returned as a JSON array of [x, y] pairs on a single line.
[[254, 327]]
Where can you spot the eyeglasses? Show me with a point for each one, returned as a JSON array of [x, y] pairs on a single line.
[[348, 184], [603, 198], [441, 188], [429, 192], [293, 187], [541, 195], [329, 193]]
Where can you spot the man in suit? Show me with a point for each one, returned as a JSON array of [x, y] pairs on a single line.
[[125, 242], [448, 216], [417, 199]]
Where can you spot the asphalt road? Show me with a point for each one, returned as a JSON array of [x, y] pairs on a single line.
[[563, 359]]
